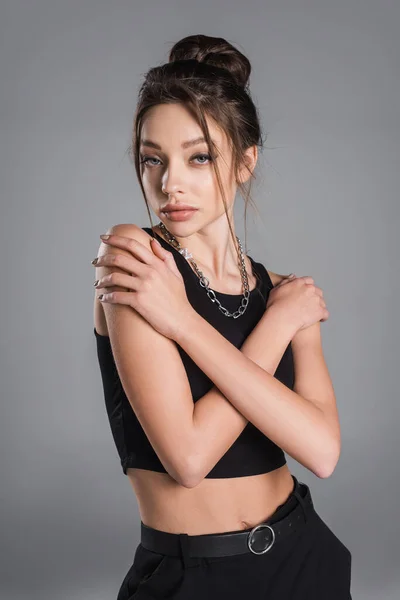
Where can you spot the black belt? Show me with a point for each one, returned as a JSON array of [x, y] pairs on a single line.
[[258, 540]]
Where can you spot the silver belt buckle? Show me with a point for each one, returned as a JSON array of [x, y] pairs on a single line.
[[269, 545]]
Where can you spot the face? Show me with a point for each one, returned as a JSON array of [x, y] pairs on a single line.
[[177, 172]]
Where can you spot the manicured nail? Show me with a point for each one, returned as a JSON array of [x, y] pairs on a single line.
[[104, 237], [94, 261]]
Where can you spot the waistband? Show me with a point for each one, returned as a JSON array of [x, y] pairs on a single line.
[[288, 518]]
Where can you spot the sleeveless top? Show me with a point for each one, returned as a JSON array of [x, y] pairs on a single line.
[[252, 453]]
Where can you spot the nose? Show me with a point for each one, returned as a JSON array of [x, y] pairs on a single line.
[[171, 182]]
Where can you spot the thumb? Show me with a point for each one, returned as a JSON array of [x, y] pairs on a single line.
[[158, 249], [166, 256]]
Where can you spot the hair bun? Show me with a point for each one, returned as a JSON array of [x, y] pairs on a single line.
[[214, 51]]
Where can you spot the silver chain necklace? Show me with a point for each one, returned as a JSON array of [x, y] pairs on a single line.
[[204, 281]]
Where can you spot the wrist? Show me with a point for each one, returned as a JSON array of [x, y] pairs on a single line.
[[278, 316], [186, 325]]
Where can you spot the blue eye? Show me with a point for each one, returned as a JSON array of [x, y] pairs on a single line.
[[207, 156], [145, 159]]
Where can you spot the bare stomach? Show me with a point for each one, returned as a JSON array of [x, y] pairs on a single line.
[[213, 506]]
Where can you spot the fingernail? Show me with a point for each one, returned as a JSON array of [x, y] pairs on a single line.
[[156, 241], [104, 237], [96, 282], [94, 261]]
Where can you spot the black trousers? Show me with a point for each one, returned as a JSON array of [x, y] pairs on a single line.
[[309, 564]]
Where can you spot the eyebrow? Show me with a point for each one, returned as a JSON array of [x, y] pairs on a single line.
[[187, 144]]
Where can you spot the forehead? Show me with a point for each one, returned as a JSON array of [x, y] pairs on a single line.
[[172, 125]]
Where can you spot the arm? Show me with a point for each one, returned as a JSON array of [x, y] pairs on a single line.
[[312, 379], [155, 382], [216, 421], [156, 385], [300, 426]]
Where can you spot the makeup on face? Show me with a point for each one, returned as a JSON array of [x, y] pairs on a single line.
[[179, 215]]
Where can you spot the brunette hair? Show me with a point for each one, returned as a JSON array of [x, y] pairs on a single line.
[[210, 77]]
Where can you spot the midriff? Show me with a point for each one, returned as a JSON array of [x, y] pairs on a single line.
[[213, 506]]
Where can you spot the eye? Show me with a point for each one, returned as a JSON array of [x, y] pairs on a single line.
[[145, 159], [207, 156]]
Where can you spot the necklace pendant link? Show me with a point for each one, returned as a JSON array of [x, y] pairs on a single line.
[[204, 282], [185, 253]]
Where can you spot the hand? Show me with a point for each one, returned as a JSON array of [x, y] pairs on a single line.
[[156, 287], [300, 299]]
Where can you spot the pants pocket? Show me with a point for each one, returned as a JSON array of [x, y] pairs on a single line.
[[146, 567]]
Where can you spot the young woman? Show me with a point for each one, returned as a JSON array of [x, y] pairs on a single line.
[[212, 366]]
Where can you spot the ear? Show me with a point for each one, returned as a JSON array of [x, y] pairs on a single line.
[[249, 163]]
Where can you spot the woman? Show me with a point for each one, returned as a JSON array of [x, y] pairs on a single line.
[[212, 367]]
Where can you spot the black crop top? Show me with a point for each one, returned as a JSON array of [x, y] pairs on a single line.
[[252, 453]]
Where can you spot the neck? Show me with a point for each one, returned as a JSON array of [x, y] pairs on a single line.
[[214, 253]]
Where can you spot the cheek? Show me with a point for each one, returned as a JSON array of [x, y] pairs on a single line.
[[208, 185], [201, 183], [205, 179], [148, 178], [206, 189], [151, 185]]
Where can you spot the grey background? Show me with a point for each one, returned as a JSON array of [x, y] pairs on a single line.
[[326, 81]]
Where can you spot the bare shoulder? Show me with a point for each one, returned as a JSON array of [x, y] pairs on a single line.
[[126, 230], [130, 230], [152, 375]]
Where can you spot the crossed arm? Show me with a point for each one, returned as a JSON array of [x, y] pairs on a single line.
[[303, 421]]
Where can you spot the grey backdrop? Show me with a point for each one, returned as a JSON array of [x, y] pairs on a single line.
[[326, 81]]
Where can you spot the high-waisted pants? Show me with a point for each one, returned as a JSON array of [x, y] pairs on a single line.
[[310, 563]]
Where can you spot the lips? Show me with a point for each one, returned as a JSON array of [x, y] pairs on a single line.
[[179, 215], [177, 207]]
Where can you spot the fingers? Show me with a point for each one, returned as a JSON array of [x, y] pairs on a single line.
[[170, 262], [157, 248], [136, 264], [166, 256], [137, 249], [117, 298], [126, 263], [286, 279], [310, 281], [307, 279], [120, 279]]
